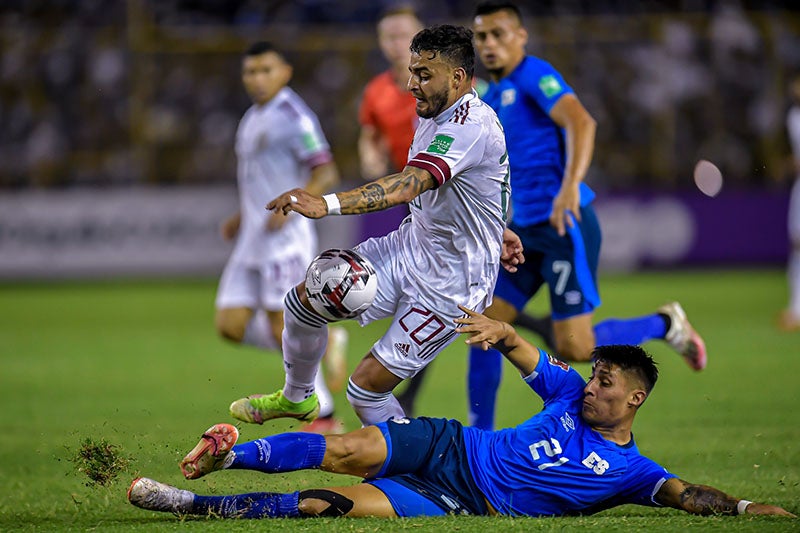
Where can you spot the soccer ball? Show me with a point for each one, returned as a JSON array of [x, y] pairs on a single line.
[[340, 284]]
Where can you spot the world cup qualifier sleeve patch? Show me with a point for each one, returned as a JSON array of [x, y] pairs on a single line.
[[440, 144], [549, 85]]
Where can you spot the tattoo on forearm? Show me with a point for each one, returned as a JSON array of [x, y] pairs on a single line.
[[383, 193], [701, 499]]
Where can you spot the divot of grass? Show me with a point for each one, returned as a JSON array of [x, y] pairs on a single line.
[[100, 461]]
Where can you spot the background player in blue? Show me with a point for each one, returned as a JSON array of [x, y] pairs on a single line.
[[576, 456], [550, 140]]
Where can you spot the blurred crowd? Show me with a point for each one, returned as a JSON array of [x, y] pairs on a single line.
[[149, 91]]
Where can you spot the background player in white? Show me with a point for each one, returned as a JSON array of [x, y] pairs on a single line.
[[790, 318], [446, 253], [279, 145], [576, 456]]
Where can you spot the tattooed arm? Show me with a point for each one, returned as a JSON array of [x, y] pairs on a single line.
[[377, 195], [704, 500]]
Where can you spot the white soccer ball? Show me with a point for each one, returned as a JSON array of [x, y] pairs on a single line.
[[340, 284]]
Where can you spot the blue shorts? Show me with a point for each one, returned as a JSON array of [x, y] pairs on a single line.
[[567, 264], [426, 472]]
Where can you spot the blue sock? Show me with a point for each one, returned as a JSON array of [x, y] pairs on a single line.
[[630, 331], [252, 505], [483, 380], [280, 453]]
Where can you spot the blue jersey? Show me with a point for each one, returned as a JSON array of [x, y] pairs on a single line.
[[554, 463], [536, 146]]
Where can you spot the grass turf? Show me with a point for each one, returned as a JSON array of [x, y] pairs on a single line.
[[138, 364]]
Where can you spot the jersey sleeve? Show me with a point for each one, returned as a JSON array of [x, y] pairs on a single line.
[[544, 84], [458, 145], [309, 144], [642, 481], [554, 379]]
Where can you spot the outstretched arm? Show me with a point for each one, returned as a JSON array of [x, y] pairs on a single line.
[[323, 178], [377, 195], [579, 127], [500, 335], [704, 500]]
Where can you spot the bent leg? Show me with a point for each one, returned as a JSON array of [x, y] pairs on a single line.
[[355, 501], [231, 322], [369, 391], [574, 337]]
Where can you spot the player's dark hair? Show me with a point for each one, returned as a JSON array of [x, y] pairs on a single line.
[[453, 43], [493, 6], [631, 359], [262, 47]]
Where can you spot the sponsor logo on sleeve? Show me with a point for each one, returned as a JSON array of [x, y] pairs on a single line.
[[440, 144], [310, 141], [549, 85]]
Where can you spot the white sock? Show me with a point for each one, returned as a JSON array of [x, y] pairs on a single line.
[[305, 335], [373, 407], [258, 332], [324, 395], [794, 283]]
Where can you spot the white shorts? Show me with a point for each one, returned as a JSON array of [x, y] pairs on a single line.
[[794, 213], [263, 286], [417, 334]]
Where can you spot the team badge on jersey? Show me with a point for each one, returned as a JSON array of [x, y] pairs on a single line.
[[549, 85], [508, 97], [440, 144], [557, 362]]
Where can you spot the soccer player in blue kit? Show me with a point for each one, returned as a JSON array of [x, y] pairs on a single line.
[[577, 456], [550, 140]]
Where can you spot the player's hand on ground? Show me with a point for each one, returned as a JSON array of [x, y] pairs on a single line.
[[481, 329], [766, 509], [512, 253], [230, 227], [298, 200], [566, 204]]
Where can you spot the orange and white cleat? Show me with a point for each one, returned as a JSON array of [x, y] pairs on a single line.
[[213, 452]]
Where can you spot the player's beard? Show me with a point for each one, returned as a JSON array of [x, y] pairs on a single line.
[[436, 104]]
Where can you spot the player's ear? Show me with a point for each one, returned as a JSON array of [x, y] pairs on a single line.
[[288, 73], [459, 77], [637, 398], [523, 34]]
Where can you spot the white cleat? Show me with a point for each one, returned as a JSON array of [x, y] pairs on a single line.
[[149, 494], [682, 336]]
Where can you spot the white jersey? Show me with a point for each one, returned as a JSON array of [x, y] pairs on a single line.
[[453, 236], [277, 145], [793, 126]]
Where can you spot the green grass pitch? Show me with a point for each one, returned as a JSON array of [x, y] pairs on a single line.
[[138, 364]]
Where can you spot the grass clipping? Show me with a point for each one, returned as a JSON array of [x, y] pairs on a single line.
[[100, 460]]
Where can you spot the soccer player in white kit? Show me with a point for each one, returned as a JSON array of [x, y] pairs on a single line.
[[279, 145], [446, 253], [789, 319]]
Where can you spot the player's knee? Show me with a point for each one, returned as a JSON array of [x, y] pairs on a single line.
[[575, 348], [229, 329], [323, 502], [358, 453], [501, 310]]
